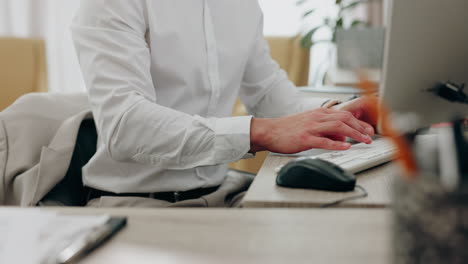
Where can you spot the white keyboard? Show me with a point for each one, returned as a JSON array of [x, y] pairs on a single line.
[[362, 156]]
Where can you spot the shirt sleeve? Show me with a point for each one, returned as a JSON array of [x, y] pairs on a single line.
[[110, 39], [266, 90]]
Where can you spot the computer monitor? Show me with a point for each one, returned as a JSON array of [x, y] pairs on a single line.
[[426, 43]]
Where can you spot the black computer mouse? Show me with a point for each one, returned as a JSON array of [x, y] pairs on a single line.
[[318, 174]]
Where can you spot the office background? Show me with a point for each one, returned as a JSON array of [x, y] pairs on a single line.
[[362, 230], [50, 20]]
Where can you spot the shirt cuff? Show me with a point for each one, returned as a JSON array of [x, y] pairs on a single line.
[[232, 138]]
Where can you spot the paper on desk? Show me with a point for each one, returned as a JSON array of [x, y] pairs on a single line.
[[14, 227], [32, 236]]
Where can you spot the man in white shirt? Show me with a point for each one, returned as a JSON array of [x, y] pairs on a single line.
[[163, 77]]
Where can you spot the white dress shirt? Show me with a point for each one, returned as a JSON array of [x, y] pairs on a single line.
[[163, 77]]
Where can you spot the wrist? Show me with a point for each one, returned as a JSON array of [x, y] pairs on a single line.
[[258, 133]]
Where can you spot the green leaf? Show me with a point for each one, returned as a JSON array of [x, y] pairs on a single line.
[[338, 2], [306, 14], [306, 41], [353, 5], [301, 2], [357, 23], [339, 23]]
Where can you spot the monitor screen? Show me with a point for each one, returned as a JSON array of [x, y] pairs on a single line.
[[426, 43]]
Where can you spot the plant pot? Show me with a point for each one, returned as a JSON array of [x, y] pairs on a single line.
[[360, 48], [430, 222]]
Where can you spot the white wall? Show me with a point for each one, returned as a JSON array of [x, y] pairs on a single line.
[[49, 20], [282, 17]]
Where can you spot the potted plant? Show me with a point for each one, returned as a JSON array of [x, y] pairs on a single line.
[[357, 44]]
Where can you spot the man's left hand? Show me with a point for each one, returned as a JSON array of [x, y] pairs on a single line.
[[361, 108]]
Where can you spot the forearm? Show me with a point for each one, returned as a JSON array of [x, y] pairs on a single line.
[[160, 136]]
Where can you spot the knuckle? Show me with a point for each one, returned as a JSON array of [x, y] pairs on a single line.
[[319, 112], [304, 136], [348, 115], [338, 124], [313, 114], [355, 134], [320, 116], [324, 109], [322, 142]]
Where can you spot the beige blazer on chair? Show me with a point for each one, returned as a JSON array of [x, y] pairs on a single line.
[[22, 68], [37, 138]]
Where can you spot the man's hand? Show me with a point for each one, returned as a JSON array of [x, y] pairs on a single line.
[[362, 108], [321, 128]]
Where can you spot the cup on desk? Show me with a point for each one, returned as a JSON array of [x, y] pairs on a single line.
[[430, 222]]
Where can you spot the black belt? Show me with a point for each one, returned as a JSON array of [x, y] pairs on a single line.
[[171, 197]]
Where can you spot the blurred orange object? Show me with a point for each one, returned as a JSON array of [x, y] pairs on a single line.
[[378, 111]]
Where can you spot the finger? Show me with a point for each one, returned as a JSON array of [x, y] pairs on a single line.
[[328, 144], [352, 121], [369, 128], [361, 113], [349, 119], [336, 137], [342, 129]]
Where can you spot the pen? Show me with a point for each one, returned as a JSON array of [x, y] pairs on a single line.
[[82, 246]]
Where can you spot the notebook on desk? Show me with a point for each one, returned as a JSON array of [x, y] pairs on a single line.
[[37, 236]]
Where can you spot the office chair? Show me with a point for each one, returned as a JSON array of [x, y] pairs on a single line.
[[22, 68], [291, 57]]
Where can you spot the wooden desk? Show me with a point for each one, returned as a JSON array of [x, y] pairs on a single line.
[[265, 193], [247, 236]]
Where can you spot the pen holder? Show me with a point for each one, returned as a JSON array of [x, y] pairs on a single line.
[[430, 222]]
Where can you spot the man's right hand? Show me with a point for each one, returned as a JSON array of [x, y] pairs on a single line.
[[316, 129]]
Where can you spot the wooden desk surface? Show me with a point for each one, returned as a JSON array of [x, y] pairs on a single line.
[[265, 193], [247, 236]]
